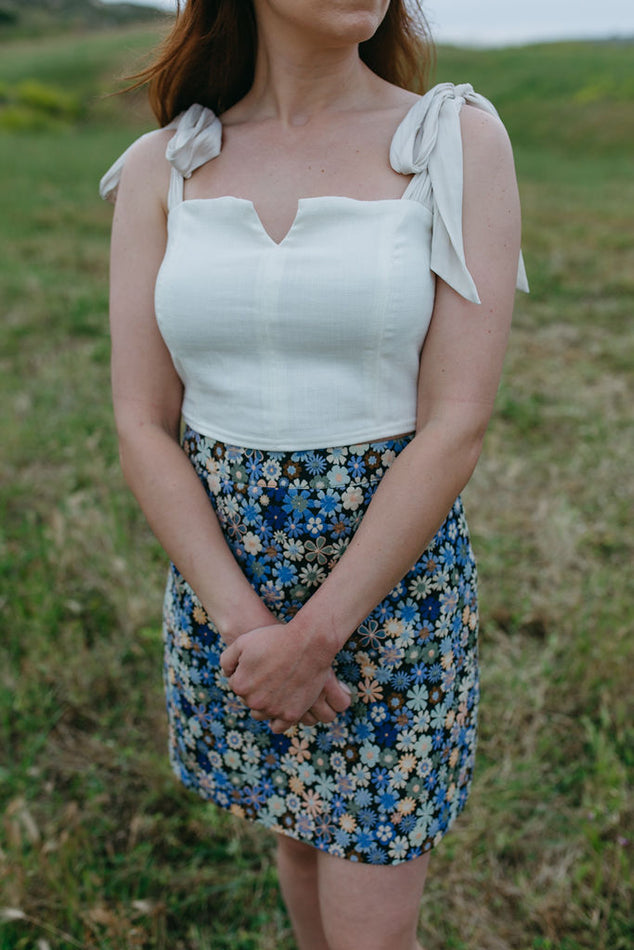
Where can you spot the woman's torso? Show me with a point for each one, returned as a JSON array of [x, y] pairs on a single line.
[[311, 342], [291, 295], [296, 319]]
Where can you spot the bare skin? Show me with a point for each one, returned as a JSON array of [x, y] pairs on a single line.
[[381, 903], [316, 122]]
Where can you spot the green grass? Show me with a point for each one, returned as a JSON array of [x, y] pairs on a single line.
[[19, 19], [99, 847]]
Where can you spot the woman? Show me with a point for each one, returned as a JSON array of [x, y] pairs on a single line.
[[320, 614]]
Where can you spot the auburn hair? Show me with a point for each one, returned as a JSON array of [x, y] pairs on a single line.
[[209, 55]]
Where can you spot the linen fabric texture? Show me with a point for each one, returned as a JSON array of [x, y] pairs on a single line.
[[334, 315]]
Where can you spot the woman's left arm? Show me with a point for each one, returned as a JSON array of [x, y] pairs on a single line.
[[460, 370]]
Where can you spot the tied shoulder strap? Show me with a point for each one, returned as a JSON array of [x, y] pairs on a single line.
[[428, 145], [197, 139]]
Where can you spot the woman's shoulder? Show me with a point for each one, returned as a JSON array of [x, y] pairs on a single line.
[[437, 124], [188, 141], [483, 132], [144, 161], [149, 152], [488, 166]]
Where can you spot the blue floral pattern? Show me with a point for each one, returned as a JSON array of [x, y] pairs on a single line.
[[384, 781]]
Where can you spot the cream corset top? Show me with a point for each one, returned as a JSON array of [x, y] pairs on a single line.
[[313, 341]]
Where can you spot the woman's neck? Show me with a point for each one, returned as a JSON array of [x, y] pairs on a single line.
[[298, 75]]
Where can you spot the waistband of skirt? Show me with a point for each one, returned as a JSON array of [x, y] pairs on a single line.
[[216, 446]]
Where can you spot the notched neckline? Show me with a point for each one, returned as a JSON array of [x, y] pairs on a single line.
[[302, 204]]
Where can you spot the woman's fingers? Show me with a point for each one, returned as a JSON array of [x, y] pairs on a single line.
[[308, 719], [323, 711], [280, 725], [229, 659], [320, 711], [336, 693], [334, 699], [275, 698]]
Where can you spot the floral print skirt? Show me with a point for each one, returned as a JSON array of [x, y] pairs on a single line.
[[385, 780]]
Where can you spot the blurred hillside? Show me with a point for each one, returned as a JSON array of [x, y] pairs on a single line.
[[29, 17]]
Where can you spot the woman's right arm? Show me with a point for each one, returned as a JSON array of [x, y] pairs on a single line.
[[147, 396]]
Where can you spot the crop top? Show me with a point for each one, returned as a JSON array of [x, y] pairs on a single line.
[[314, 341]]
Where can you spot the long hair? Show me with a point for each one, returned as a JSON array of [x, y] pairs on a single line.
[[209, 55]]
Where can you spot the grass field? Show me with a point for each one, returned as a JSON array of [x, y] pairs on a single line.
[[99, 847]]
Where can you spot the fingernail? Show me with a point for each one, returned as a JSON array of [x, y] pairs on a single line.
[[346, 688]]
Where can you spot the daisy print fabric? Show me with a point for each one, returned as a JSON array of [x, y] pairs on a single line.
[[383, 782]]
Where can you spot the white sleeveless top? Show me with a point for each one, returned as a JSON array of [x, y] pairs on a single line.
[[314, 341]]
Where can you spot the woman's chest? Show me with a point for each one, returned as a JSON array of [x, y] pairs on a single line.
[[348, 274]]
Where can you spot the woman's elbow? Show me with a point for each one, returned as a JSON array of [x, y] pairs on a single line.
[[461, 437], [140, 441]]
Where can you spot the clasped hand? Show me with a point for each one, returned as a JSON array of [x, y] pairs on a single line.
[[284, 676]]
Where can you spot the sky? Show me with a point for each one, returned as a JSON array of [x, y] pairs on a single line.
[[498, 22]]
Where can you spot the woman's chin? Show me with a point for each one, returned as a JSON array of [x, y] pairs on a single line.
[[338, 23]]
